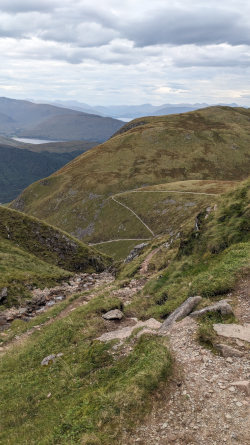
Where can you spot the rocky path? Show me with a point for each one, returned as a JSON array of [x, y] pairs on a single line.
[[207, 400], [42, 300]]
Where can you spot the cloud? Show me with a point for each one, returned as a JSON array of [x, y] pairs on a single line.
[[16, 6], [129, 51], [201, 26]]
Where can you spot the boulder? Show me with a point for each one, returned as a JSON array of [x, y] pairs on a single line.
[[180, 312], [222, 307], [113, 315]]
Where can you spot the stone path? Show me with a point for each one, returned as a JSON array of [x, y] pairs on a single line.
[[204, 402], [203, 406]]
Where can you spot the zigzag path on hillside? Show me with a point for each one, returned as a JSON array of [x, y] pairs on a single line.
[[138, 217]]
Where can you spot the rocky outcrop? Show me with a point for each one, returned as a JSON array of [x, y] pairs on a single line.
[[180, 312], [222, 307], [135, 252], [44, 298]]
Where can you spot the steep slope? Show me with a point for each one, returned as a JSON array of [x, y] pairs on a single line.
[[32, 251], [210, 144], [27, 119], [20, 167]]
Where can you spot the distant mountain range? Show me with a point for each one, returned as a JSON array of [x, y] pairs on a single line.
[[44, 121], [133, 111]]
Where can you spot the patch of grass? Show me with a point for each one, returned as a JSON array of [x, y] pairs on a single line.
[[206, 334], [209, 277], [118, 250], [94, 396]]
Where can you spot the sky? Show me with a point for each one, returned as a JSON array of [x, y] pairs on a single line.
[[105, 52]]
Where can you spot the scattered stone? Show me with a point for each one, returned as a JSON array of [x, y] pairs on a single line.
[[3, 293], [48, 360], [49, 395], [233, 331], [239, 404], [115, 314], [180, 312], [229, 360], [228, 351], [243, 385], [222, 307]]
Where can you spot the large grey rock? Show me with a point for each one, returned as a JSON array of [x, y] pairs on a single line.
[[115, 314], [222, 307], [180, 312]]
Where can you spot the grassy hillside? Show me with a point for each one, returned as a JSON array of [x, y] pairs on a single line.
[[33, 252], [90, 394], [206, 262], [20, 270], [95, 391], [210, 144]]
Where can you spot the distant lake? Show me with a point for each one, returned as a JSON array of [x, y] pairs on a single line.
[[125, 119], [33, 141]]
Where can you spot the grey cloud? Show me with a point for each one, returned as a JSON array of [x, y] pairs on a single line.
[[16, 6], [201, 26]]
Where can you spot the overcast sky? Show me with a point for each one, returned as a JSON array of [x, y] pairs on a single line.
[[126, 51]]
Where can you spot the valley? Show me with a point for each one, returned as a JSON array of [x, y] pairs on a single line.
[[116, 273]]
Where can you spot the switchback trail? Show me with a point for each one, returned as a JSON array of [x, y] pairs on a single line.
[[138, 217]]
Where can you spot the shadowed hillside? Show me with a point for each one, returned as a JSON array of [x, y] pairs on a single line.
[[32, 252]]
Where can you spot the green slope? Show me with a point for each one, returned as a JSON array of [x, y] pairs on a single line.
[[33, 252], [210, 144], [207, 262]]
